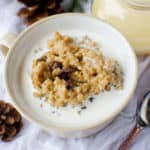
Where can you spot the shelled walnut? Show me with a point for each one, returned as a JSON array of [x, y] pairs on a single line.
[[10, 121]]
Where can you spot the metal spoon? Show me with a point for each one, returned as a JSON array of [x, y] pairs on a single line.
[[143, 120]]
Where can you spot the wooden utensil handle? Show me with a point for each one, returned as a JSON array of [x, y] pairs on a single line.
[[126, 144]]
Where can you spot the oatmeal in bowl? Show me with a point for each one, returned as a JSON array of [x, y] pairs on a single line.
[[73, 70], [74, 82]]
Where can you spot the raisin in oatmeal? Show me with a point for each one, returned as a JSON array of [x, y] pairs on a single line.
[[72, 71]]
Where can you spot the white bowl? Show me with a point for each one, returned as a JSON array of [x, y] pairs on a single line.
[[109, 105]]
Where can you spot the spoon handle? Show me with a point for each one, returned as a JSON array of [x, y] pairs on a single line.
[[126, 144]]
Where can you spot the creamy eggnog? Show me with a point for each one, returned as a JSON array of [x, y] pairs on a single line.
[[131, 17]]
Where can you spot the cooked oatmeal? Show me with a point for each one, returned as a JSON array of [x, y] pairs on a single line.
[[72, 71]]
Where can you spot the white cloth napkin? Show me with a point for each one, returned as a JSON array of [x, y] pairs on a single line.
[[33, 138]]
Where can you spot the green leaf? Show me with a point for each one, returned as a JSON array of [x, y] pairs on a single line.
[[77, 5]]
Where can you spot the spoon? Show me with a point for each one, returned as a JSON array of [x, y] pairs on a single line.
[[143, 120]]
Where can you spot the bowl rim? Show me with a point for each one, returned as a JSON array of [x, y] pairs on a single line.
[[66, 129]]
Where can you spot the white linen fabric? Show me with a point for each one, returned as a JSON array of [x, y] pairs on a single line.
[[33, 138]]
